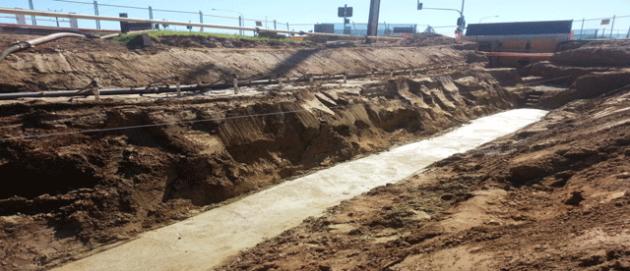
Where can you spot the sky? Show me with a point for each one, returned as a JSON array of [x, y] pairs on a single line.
[[301, 14]]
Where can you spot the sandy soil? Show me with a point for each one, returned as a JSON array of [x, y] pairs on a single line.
[[80, 192], [554, 196], [226, 230]]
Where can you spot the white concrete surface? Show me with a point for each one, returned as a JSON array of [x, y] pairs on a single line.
[[206, 240]]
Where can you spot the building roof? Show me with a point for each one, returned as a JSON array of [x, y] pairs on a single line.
[[520, 28]]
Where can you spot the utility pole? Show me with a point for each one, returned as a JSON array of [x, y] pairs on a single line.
[[612, 28], [344, 18], [30, 5], [98, 22], [375, 7]]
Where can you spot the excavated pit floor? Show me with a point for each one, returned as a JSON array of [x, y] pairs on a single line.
[[207, 240]]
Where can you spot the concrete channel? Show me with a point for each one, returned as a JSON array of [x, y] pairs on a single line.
[[206, 240]]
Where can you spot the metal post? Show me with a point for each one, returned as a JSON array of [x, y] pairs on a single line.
[[235, 85], [344, 19], [345, 78], [604, 33], [30, 5], [240, 32], [150, 13], [582, 30], [628, 36], [375, 6], [274, 24], [98, 22], [97, 94], [288, 27], [179, 90], [201, 19], [612, 28]]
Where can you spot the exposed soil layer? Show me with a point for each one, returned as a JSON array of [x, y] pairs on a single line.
[[553, 196], [70, 194], [73, 63], [609, 53], [428, 39], [160, 43]]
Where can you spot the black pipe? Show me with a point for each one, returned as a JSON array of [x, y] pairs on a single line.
[[149, 90]]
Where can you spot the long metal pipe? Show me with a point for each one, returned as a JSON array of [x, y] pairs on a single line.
[[142, 90], [120, 19]]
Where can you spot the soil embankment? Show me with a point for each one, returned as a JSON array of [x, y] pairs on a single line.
[[554, 196], [61, 65], [78, 192]]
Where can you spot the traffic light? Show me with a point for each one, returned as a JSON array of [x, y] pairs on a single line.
[[419, 5], [461, 22]]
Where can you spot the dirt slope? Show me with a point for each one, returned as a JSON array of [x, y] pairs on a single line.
[[554, 196], [78, 192], [605, 53], [59, 66]]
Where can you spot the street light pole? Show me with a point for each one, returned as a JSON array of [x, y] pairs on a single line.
[[240, 32], [461, 23], [496, 16]]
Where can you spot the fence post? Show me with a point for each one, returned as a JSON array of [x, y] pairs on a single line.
[[98, 22], [628, 36], [612, 28], [235, 84], [288, 27], [582, 30], [274, 24], [179, 89], [201, 19], [30, 5], [240, 31], [150, 13]]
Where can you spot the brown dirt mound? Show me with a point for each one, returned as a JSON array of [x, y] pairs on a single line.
[[554, 196], [73, 193], [596, 54], [185, 41], [428, 39]]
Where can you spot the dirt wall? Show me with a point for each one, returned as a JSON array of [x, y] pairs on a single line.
[[57, 69], [79, 192]]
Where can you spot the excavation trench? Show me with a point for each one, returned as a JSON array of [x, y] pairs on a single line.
[[208, 239]]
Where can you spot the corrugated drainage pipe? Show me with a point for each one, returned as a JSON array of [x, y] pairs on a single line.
[[28, 44]]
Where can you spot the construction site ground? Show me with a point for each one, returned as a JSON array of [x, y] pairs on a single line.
[[553, 196]]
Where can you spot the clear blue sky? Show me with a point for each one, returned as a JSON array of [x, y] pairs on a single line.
[[325, 11]]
